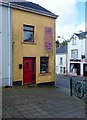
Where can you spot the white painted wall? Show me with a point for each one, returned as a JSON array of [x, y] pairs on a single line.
[[81, 46], [6, 47], [82, 50], [58, 65]]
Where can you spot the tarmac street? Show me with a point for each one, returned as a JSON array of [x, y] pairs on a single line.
[[40, 102], [64, 80]]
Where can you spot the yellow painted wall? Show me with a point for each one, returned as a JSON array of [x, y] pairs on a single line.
[[21, 49]]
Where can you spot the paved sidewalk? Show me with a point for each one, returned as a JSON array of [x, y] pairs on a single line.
[[40, 102]]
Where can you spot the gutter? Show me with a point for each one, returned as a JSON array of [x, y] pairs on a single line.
[[29, 9], [4, 3], [33, 10]]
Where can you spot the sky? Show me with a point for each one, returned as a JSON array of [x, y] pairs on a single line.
[[71, 15]]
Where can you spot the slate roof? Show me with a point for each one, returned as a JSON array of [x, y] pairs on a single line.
[[81, 35], [61, 50], [34, 7]]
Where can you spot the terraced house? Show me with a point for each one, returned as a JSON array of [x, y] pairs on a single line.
[[33, 43], [77, 54]]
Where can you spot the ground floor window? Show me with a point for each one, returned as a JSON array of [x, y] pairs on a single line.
[[28, 33], [63, 69], [44, 63], [60, 69]]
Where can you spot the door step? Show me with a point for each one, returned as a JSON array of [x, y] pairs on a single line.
[[32, 85]]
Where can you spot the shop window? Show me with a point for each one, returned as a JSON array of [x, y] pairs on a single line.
[[28, 33], [44, 61]]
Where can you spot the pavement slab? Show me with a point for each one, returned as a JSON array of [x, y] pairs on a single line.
[[40, 102]]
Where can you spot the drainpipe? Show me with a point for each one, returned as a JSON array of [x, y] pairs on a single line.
[[1, 48], [0, 61], [9, 38]]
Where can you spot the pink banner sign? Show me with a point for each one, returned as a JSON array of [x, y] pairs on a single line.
[[48, 44], [84, 60]]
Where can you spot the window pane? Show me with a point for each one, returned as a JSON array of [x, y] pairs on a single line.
[[44, 64], [74, 53], [61, 60], [63, 69], [27, 28], [28, 34], [74, 40]]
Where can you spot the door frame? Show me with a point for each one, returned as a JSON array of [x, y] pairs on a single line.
[[85, 64], [34, 69]]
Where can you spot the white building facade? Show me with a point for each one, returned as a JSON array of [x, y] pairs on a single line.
[[61, 60], [77, 54]]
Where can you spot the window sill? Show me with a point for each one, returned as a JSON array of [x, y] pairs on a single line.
[[31, 43], [44, 74]]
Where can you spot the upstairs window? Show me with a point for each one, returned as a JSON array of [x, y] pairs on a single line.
[[44, 62], [61, 61], [28, 33], [74, 53], [74, 40]]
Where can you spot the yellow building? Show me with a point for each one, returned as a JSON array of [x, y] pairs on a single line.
[[33, 30]]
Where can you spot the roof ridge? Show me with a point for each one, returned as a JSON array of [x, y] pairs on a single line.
[[34, 6]]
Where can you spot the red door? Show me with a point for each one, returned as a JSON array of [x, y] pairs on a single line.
[[29, 72]]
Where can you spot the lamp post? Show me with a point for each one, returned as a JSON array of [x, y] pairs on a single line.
[[66, 50]]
